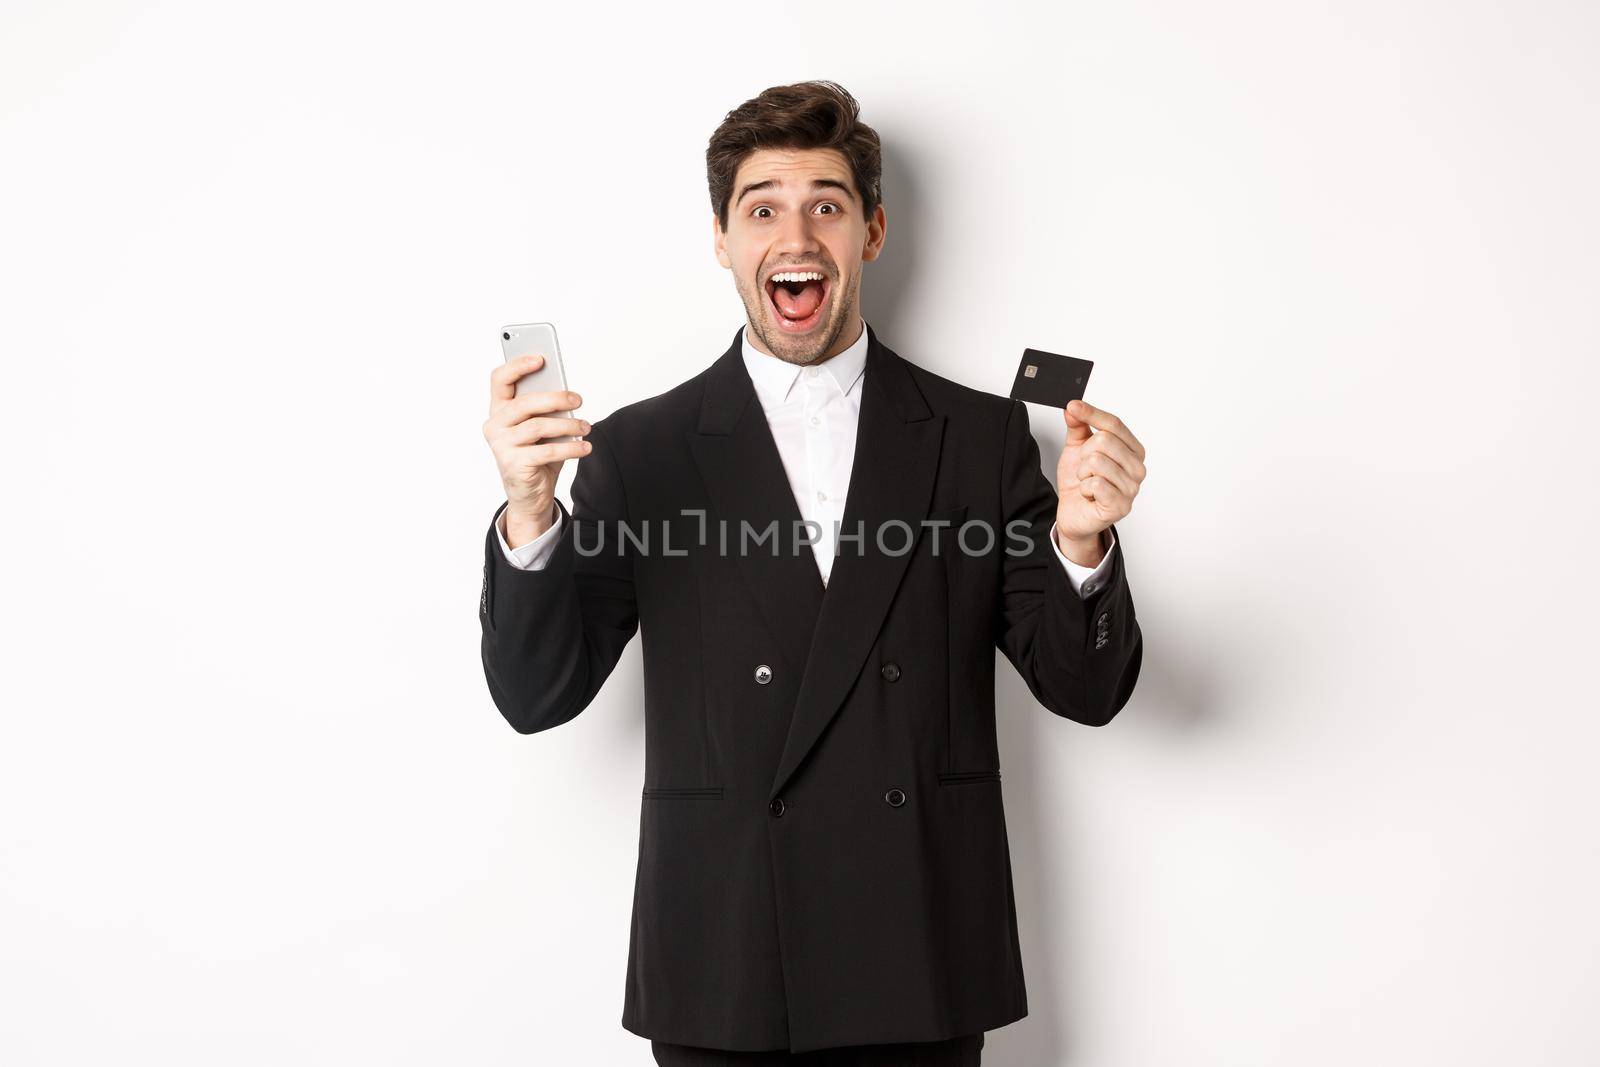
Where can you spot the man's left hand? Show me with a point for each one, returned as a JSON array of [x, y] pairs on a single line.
[[1096, 480]]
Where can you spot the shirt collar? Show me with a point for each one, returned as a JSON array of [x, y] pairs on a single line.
[[774, 378]]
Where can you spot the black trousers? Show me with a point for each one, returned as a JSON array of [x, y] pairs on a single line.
[[965, 1051]]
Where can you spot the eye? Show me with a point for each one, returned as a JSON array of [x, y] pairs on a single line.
[[757, 211], [831, 204]]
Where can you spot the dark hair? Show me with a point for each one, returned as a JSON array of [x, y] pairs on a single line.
[[811, 114]]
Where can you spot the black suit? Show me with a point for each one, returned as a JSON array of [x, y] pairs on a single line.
[[822, 843]]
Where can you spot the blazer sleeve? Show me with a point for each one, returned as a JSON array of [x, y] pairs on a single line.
[[552, 636], [1078, 654]]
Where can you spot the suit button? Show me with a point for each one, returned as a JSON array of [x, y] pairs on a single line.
[[776, 807], [895, 797], [1105, 617], [891, 672], [763, 674]]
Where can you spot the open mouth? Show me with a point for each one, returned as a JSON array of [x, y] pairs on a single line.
[[797, 298]]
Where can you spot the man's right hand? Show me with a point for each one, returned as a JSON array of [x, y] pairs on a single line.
[[516, 430]]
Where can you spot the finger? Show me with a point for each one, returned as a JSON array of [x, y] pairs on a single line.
[[1100, 465], [532, 431], [521, 408], [1117, 449], [1104, 420], [1105, 495], [1077, 430], [548, 452], [503, 379]]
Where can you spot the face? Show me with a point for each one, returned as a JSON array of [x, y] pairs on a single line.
[[796, 213]]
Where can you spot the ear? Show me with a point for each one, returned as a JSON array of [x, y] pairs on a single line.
[[877, 230], [720, 242]]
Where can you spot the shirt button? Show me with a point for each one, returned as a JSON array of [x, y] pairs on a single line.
[[776, 807], [895, 797], [891, 672], [763, 674], [821, 495], [815, 421]]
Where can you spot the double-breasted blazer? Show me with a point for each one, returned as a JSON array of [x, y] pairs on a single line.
[[822, 840]]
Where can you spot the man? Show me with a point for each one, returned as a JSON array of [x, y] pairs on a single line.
[[821, 544]]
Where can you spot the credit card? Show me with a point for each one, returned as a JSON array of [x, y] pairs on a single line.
[[1050, 379]]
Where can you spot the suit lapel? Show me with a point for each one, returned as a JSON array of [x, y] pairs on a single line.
[[824, 633], [891, 477], [748, 489]]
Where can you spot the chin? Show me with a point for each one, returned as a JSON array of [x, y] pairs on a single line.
[[807, 347]]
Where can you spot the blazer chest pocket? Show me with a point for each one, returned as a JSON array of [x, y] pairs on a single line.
[[941, 527], [968, 777], [656, 793]]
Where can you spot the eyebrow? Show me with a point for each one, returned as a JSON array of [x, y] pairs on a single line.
[[816, 183]]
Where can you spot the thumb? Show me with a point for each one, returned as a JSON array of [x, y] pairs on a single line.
[[1077, 428]]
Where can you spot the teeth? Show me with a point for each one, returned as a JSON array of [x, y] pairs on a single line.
[[796, 276]]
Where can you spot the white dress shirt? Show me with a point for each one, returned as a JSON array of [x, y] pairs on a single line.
[[813, 413]]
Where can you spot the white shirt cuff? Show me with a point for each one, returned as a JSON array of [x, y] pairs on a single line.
[[533, 555], [1084, 580]]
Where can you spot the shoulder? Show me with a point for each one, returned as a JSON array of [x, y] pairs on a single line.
[[949, 397], [982, 428], [974, 418], [642, 425]]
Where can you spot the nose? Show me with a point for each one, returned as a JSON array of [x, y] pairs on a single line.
[[797, 236]]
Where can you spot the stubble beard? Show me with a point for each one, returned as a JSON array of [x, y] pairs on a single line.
[[800, 351]]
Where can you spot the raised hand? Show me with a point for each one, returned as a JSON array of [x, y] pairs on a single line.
[[1097, 477], [529, 465]]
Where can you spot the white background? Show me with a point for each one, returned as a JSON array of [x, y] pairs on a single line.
[[1336, 264]]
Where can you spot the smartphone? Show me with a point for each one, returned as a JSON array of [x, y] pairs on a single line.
[[537, 338]]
